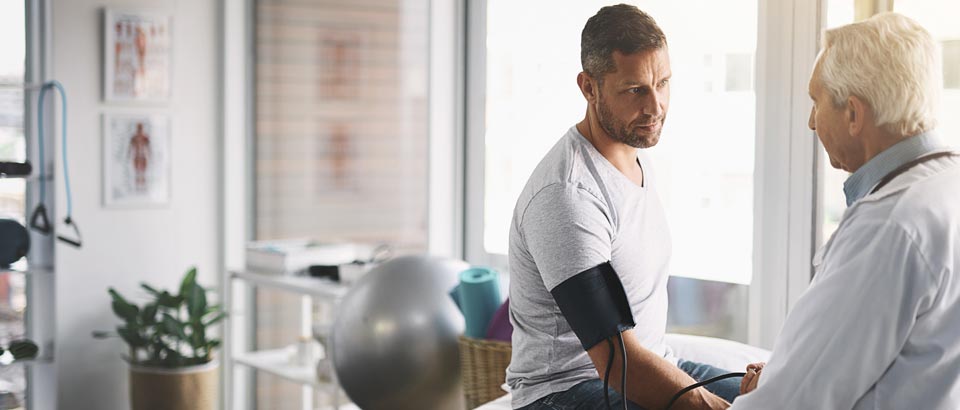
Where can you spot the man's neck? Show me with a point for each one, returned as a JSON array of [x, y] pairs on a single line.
[[622, 156], [876, 142]]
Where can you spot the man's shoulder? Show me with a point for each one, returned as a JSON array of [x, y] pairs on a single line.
[[922, 207], [921, 191], [562, 174], [560, 198]]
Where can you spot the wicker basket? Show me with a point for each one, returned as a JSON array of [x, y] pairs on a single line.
[[483, 364]]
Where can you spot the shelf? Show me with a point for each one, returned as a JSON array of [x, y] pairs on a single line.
[[276, 362], [21, 267], [33, 176], [323, 288], [38, 360], [7, 85], [28, 272]]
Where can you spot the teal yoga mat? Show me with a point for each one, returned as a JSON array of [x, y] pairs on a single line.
[[478, 296]]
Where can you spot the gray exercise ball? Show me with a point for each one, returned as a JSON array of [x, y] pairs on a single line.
[[394, 343]]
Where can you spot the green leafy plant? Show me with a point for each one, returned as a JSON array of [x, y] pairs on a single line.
[[171, 329]]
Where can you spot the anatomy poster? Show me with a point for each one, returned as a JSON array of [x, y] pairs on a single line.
[[136, 155], [137, 54]]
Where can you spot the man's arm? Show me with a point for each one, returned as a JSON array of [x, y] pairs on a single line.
[[568, 233], [651, 380], [847, 329]]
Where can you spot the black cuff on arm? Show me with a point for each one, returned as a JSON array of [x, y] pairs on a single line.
[[595, 304]]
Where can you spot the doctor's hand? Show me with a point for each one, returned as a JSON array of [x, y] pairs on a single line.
[[749, 382]]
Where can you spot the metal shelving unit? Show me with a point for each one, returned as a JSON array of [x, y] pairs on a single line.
[[18, 321], [277, 361], [303, 285]]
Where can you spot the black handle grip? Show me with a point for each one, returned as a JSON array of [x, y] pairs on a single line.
[[39, 220], [78, 242]]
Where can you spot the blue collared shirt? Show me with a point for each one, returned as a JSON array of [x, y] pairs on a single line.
[[859, 184]]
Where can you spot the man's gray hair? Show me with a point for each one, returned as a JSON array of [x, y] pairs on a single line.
[[890, 62], [623, 28]]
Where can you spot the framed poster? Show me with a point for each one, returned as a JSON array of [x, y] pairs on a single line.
[[136, 160], [137, 54]]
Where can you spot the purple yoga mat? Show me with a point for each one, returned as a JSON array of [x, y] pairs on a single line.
[[500, 327]]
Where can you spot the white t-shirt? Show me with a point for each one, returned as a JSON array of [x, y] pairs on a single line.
[[578, 211]]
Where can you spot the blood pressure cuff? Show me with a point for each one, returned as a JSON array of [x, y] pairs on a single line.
[[595, 304]]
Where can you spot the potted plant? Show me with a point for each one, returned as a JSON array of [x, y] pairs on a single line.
[[171, 357]]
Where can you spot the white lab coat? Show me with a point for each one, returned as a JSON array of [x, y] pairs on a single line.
[[879, 327]]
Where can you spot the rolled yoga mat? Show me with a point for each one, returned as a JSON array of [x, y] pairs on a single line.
[[500, 327], [478, 296]]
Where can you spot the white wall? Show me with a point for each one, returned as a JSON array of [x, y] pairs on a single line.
[[123, 247]]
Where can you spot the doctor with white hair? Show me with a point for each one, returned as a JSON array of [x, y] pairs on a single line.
[[879, 326]]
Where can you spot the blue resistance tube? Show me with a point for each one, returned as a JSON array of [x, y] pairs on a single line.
[[41, 208]]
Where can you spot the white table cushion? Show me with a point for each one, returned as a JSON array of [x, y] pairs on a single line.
[[721, 353]]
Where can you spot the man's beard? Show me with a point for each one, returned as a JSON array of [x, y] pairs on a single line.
[[625, 133]]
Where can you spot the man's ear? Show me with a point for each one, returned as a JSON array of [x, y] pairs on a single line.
[[856, 115], [588, 86]]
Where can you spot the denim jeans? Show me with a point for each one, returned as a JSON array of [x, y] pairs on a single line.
[[589, 394]]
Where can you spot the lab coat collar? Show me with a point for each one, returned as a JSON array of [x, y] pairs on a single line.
[[859, 184]]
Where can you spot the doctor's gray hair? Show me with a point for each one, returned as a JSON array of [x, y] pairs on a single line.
[[890, 62], [623, 28]]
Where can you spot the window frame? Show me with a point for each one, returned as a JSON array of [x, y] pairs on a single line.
[[41, 376], [475, 158], [787, 199]]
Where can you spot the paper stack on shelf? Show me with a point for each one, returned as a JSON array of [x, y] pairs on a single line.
[[294, 255]]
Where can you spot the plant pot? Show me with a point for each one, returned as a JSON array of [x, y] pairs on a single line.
[[186, 388]]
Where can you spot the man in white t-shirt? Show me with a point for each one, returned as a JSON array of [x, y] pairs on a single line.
[[589, 246]]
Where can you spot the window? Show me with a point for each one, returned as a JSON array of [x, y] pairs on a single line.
[[704, 160], [13, 298], [341, 120], [739, 70], [951, 64], [939, 18], [341, 142], [832, 200]]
